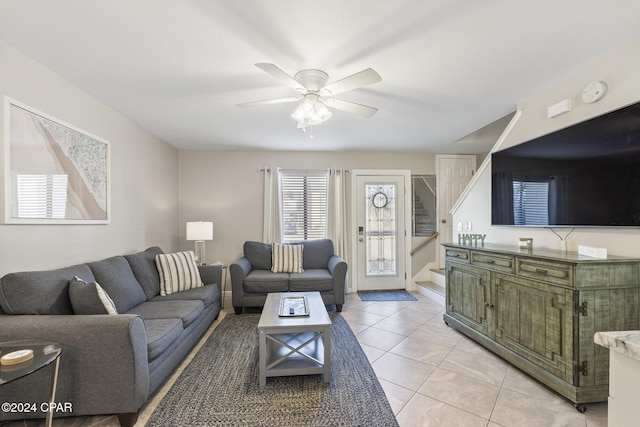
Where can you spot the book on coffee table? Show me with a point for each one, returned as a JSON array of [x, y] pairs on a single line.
[[293, 306]]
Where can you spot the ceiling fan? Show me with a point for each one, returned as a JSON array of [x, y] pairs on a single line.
[[316, 95]]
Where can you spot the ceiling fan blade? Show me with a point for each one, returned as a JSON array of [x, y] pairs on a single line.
[[351, 107], [268, 102], [281, 75], [354, 81]]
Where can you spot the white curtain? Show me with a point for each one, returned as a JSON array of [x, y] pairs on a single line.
[[271, 224], [338, 220]]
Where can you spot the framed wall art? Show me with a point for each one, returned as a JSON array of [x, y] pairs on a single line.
[[55, 173]]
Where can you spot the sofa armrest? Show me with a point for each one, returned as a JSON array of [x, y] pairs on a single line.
[[211, 274], [338, 269], [239, 269], [336, 262], [103, 365]]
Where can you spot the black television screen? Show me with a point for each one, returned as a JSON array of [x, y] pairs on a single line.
[[586, 175]]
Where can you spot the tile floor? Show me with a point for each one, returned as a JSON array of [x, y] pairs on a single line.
[[433, 375]]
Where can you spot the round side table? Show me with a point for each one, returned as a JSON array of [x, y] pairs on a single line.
[[44, 353]]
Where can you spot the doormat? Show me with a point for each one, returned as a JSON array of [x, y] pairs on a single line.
[[395, 295]]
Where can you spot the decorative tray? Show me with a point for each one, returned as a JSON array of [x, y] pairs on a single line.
[[293, 306]]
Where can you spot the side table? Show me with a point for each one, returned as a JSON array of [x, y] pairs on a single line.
[[223, 267], [44, 353]]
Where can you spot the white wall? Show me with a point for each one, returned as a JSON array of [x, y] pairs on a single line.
[[226, 188], [620, 71], [144, 177]]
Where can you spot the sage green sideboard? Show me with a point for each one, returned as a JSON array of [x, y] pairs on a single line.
[[539, 310]]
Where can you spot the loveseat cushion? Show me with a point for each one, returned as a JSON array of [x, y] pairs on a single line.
[[116, 277], [90, 298], [311, 280], [208, 294], [265, 281], [258, 254], [185, 310], [40, 292], [161, 333], [143, 265], [316, 253]]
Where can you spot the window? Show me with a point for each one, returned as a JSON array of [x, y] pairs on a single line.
[[41, 196], [531, 202], [303, 204]]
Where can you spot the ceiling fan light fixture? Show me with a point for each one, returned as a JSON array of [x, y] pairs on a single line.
[[311, 111], [321, 111]]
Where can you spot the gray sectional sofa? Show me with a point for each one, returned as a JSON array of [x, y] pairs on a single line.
[[110, 364], [252, 279]]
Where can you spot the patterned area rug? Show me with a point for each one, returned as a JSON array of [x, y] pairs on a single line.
[[397, 295], [220, 386]]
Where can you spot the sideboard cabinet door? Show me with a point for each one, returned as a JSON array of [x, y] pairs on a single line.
[[535, 320], [468, 296]]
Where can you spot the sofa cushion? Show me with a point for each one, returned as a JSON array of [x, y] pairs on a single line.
[[286, 258], [143, 265], [186, 310], [316, 253], [40, 292], [90, 298], [178, 272], [311, 280], [161, 333], [208, 294], [258, 254], [116, 277], [265, 281]]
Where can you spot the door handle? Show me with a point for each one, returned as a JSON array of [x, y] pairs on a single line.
[[444, 221]]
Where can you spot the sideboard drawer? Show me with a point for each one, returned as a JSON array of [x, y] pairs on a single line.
[[547, 271], [493, 261], [459, 255]]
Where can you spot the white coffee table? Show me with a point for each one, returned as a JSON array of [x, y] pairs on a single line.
[[294, 345]]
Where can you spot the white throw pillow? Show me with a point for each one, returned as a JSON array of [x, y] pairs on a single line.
[[178, 272], [286, 258]]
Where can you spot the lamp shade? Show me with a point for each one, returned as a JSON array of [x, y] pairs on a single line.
[[199, 230]]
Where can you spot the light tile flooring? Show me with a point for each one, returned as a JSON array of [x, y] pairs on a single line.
[[435, 376], [432, 375]]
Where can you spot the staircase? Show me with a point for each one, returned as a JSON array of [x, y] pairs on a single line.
[[424, 203], [434, 288], [423, 222]]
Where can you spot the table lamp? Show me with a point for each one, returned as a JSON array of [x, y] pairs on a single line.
[[200, 231]]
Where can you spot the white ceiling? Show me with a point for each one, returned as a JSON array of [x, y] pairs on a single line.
[[448, 67]]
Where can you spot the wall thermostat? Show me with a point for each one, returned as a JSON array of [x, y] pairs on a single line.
[[594, 92]]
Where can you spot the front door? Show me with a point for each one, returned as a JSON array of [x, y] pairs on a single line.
[[380, 232]]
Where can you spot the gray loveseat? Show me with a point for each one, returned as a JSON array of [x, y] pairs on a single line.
[[110, 364], [252, 279]]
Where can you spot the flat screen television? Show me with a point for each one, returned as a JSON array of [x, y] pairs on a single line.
[[585, 175]]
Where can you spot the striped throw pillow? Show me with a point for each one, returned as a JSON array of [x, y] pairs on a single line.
[[286, 258], [178, 272]]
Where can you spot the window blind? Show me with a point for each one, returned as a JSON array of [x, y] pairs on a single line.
[[303, 204]]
